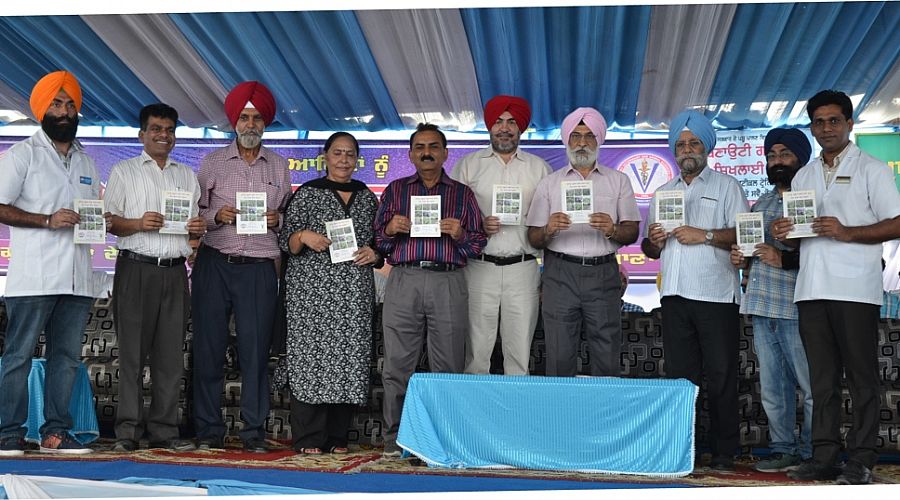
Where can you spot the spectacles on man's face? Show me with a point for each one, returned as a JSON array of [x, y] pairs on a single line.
[[576, 137], [833, 122], [692, 144], [783, 155]]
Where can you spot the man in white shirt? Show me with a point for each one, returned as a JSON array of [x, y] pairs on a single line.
[[700, 288], [151, 302], [504, 282], [838, 291], [49, 282]]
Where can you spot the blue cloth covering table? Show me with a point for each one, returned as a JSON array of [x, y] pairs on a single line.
[[603, 424], [84, 417]]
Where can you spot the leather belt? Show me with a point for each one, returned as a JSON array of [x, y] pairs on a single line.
[[235, 259], [429, 265], [584, 261], [156, 261], [505, 261]]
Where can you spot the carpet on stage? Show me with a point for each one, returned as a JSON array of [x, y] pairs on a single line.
[[365, 470]]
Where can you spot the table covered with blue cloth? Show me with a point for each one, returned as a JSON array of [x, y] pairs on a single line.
[[591, 424], [84, 417]]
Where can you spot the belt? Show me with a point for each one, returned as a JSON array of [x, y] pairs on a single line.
[[235, 259], [429, 265], [584, 261], [156, 261], [505, 261]]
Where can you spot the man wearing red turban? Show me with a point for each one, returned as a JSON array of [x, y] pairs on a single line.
[[506, 277], [235, 269], [50, 280]]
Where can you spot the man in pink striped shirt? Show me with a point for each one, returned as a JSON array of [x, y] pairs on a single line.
[[235, 268]]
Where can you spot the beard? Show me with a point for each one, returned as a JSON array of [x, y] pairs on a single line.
[[504, 147], [582, 158], [691, 164], [781, 175], [60, 128], [249, 139]]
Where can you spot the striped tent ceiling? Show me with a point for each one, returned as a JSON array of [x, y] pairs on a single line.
[[745, 65]]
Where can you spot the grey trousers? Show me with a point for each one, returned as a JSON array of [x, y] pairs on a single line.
[[576, 295], [150, 308], [419, 303]]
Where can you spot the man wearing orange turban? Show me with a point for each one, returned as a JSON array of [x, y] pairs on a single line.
[[235, 270], [50, 280], [506, 277]]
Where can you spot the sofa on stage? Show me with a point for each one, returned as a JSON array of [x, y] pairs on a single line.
[[641, 357]]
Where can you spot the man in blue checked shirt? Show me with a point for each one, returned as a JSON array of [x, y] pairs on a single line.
[[769, 300]]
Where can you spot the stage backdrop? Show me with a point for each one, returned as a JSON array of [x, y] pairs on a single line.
[[885, 147], [648, 163]]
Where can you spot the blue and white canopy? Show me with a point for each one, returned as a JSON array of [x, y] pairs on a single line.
[[746, 65]]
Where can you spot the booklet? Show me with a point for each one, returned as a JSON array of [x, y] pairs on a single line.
[[176, 212], [251, 218], [343, 240], [669, 209], [92, 227], [800, 207], [578, 200], [426, 216], [750, 231], [507, 204]]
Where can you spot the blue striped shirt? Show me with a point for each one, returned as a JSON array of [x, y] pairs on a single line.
[[457, 202], [770, 290]]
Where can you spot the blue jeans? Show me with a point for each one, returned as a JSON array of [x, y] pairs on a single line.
[[783, 367], [62, 318]]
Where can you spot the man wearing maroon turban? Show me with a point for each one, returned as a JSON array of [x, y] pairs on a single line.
[[235, 271], [50, 281], [506, 277], [581, 280]]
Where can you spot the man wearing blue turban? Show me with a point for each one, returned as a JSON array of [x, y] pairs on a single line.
[[700, 288]]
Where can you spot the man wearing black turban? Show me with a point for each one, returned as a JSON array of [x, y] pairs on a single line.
[[769, 300]]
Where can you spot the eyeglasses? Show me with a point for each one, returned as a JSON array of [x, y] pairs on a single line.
[[819, 123], [576, 137], [693, 143], [786, 154]]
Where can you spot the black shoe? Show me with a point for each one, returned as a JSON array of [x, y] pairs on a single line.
[[174, 445], [12, 447], [855, 473], [125, 446], [210, 443], [814, 471], [256, 445], [722, 463]]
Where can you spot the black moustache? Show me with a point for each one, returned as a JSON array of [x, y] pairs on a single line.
[[427, 157]]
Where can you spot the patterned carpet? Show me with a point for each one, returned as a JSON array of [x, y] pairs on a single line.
[[369, 460]]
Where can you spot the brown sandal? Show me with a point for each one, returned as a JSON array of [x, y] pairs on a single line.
[[338, 450]]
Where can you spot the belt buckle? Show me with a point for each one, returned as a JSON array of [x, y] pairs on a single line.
[[235, 261], [160, 260], [584, 262]]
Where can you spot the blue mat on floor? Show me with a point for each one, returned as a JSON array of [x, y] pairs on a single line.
[[320, 481]]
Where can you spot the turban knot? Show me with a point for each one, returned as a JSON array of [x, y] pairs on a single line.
[[254, 93], [591, 118], [517, 107], [792, 139], [698, 124], [47, 88]]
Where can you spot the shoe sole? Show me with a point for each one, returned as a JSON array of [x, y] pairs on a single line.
[[782, 469], [11, 453], [392, 454], [54, 451]]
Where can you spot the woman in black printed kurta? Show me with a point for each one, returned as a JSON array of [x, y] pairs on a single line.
[[329, 306]]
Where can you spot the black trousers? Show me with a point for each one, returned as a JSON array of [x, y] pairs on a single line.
[[842, 338], [700, 339], [250, 292], [320, 425]]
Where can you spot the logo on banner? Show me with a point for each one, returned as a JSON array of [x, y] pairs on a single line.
[[647, 173]]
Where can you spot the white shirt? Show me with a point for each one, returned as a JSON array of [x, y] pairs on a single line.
[[35, 179], [702, 272], [136, 186], [863, 192], [483, 169]]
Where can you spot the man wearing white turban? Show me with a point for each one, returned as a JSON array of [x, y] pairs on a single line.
[[700, 288]]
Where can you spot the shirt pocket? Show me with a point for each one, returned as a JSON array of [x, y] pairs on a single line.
[[704, 213], [608, 205]]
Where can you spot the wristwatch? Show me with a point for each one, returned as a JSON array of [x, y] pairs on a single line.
[[709, 238]]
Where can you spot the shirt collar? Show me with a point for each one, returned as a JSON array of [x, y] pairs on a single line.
[[232, 151], [489, 152], [837, 159], [704, 175], [44, 140], [147, 158], [412, 179], [568, 169]]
